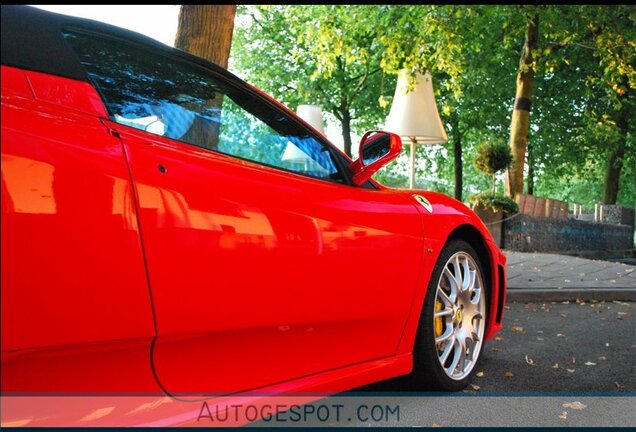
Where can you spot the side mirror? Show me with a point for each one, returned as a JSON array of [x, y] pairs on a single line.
[[377, 148]]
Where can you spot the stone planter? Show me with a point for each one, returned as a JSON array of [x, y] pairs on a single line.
[[493, 220]]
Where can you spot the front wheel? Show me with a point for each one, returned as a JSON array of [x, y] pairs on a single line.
[[453, 321]]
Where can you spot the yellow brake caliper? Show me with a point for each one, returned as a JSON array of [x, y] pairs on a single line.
[[439, 324]]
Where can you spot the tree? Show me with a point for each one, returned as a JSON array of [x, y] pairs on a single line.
[[206, 31], [520, 123], [585, 81], [468, 49], [613, 34], [315, 54], [491, 158], [580, 141]]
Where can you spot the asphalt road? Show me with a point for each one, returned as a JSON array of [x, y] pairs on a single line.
[[553, 364], [585, 347], [556, 347]]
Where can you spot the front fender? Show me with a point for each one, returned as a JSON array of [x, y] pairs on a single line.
[[447, 218]]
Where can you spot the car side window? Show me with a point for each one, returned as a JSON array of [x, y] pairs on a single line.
[[178, 100]]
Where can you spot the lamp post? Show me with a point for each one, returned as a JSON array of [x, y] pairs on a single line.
[[414, 115]]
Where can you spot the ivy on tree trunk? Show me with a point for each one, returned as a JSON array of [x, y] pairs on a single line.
[[520, 123]]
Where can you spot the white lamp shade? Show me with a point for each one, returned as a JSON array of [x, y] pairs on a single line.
[[414, 114], [312, 114], [294, 154]]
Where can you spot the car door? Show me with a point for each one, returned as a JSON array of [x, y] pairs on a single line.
[[265, 263], [76, 315]]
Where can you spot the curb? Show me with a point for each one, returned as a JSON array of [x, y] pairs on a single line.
[[551, 294]]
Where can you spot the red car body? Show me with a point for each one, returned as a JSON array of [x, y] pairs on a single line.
[[211, 274]]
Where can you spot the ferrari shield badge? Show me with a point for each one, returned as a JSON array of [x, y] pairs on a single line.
[[425, 203]]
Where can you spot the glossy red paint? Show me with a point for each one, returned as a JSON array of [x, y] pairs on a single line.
[[137, 263], [68, 93], [152, 410], [449, 217], [73, 276], [361, 172], [259, 263]]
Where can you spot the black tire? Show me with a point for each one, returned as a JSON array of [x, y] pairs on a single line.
[[428, 373]]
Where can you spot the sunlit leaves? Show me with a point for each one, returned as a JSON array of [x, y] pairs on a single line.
[[585, 80]]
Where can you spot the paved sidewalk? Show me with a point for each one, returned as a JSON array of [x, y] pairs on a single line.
[[551, 277]]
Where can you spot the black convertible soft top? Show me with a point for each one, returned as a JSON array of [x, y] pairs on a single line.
[[32, 39]]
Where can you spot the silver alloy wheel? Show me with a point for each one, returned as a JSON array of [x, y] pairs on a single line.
[[459, 316]]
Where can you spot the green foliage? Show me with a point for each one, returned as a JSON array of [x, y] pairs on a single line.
[[492, 157], [345, 58], [315, 54], [487, 199]]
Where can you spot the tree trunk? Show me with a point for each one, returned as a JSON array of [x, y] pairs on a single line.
[[457, 153], [530, 179], [520, 123], [206, 31], [615, 165], [346, 131]]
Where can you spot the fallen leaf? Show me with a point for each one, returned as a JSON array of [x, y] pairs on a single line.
[[573, 360], [555, 366], [474, 386], [570, 370], [564, 415], [530, 361], [480, 374], [621, 313], [565, 302], [509, 374], [619, 385], [516, 329], [560, 335], [499, 339], [574, 405], [602, 358], [589, 363], [564, 316]]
